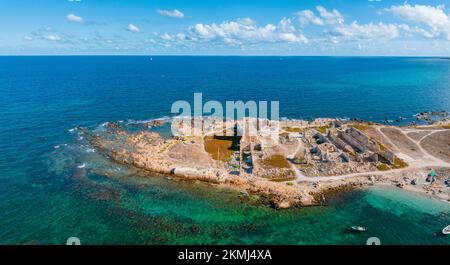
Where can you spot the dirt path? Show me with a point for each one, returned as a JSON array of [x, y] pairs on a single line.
[[396, 149], [298, 174], [432, 159]]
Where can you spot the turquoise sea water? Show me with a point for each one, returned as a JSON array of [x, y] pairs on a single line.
[[46, 195]]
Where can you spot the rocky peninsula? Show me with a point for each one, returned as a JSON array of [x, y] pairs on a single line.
[[292, 162]]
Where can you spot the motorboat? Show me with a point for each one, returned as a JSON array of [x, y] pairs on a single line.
[[446, 230]]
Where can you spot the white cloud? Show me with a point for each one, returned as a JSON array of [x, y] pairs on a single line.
[[333, 17], [325, 17], [171, 13], [52, 37], [243, 32], [246, 21], [428, 15], [74, 18], [355, 31], [237, 32], [433, 17], [420, 31], [333, 23], [133, 28], [306, 17], [285, 25]]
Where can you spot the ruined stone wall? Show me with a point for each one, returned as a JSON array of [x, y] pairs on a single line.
[[373, 146], [345, 157], [388, 155], [320, 138], [359, 136], [337, 141], [352, 141]]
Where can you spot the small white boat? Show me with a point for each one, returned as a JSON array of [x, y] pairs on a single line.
[[357, 229], [82, 166], [446, 231]]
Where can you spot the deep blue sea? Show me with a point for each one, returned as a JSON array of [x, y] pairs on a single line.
[[53, 186]]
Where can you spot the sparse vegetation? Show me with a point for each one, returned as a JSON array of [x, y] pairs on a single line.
[[382, 147], [282, 179], [361, 126], [323, 129], [278, 161], [292, 129], [383, 167], [303, 166], [298, 160], [399, 163], [218, 149]]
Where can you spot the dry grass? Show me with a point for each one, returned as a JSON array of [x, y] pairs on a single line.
[[383, 167], [277, 161], [323, 129], [292, 129], [399, 163], [360, 126], [382, 147], [218, 149]]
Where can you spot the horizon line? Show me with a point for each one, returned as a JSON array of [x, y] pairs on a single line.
[[217, 55]]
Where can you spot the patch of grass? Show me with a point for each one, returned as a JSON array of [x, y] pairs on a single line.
[[303, 166], [298, 160], [323, 129], [382, 147], [218, 149], [399, 163], [292, 129], [282, 179], [383, 167], [289, 183], [446, 126], [361, 126], [278, 161]]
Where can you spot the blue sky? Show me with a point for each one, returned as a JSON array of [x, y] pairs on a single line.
[[226, 27]]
